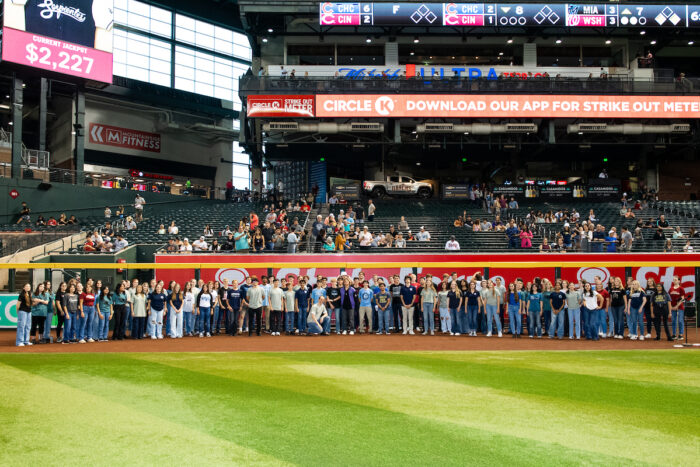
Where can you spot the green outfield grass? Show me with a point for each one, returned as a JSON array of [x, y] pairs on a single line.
[[403, 408]]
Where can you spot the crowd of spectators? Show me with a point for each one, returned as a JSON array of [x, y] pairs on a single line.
[[24, 217]]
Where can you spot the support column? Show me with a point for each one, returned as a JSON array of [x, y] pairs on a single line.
[[79, 128], [17, 106], [43, 95]]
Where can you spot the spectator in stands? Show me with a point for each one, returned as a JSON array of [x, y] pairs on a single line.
[[172, 247], [24, 214], [208, 231], [525, 238], [120, 243], [371, 210], [662, 223], [138, 206], [668, 246], [200, 244], [659, 234], [688, 248], [62, 219], [329, 244], [545, 247], [52, 222], [677, 233], [130, 224], [476, 226], [359, 213], [72, 220], [423, 235], [161, 230], [459, 222], [513, 234], [513, 204], [598, 239], [626, 240], [89, 245], [365, 239], [399, 242], [108, 212], [292, 241], [452, 244], [333, 199], [258, 242], [318, 227], [186, 247], [242, 239], [611, 241], [254, 221], [40, 221], [173, 229]]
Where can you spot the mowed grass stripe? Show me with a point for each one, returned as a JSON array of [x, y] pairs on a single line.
[[308, 429], [618, 365], [418, 393], [618, 394], [46, 422]]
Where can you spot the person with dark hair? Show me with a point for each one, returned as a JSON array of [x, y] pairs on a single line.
[[593, 303], [104, 314], [119, 310], [254, 297], [24, 316], [60, 310], [40, 303], [70, 306], [661, 310]]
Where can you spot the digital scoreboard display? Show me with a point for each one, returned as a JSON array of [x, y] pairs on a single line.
[[73, 37], [572, 15]]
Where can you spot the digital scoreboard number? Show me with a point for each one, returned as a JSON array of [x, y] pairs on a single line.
[[462, 14]]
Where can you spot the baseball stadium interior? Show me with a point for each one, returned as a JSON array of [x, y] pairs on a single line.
[[254, 207]]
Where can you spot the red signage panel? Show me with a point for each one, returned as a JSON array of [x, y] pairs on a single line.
[[124, 138], [281, 106]]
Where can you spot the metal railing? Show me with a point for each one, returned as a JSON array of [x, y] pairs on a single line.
[[460, 85]]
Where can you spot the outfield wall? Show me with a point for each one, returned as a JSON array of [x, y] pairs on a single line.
[[571, 266]]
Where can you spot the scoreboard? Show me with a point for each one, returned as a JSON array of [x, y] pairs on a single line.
[[571, 15]]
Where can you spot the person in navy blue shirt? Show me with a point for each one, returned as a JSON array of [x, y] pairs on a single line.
[[156, 307], [408, 294], [301, 297], [235, 297]]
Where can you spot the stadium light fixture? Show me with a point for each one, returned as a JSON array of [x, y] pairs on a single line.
[[691, 42], [558, 41], [416, 40], [270, 30], [608, 42], [368, 40], [641, 33], [653, 42], [265, 40], [500, 54], [413, 53], [418, 163], [510, 40]]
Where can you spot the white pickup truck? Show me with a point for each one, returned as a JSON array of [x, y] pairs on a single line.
[[398, 185]]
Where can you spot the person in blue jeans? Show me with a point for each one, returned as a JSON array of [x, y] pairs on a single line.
[[534, 312], [473, 302], [87, 308], [618, 305], [492, 300], [574, 300], [546, 307], [635, 311], [289, 299], [557, 300], [24, 316], [383, 300], [155, 307], [454, 302], [512, 299], [678, 298], [203, 311], [592, 304], [104, 314], [301, 306], [50, 313], [70, 305]]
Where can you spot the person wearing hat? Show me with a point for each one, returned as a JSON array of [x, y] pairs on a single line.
[[254, 297], [185, 247], [423, 235], [365, 239], [200, 245]]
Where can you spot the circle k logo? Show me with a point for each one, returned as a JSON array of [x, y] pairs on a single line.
[[384, 105]]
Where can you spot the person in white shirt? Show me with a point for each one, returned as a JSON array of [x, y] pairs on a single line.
[[365, 238], [138, 205], [318, 321], [452, 244], [371, 209], [333, 200], [688, 248], [120, 243], [423, 235], [292, 242], [200, 245], [173, 230], [185, 247], [130, 224]]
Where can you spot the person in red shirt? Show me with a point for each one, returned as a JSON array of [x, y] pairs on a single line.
[[254, 221], [87, 323], [678, 296], [89, 246], [52, 222]]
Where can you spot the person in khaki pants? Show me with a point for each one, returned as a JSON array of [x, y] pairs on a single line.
[[408, 294], [365, 295]]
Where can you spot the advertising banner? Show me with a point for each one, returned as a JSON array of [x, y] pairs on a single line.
[[511, 106], [450, 191], [124, 138], [344, 189], [510, 190], [564, 191], [73, 37], [8, 311], [281, 106]]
